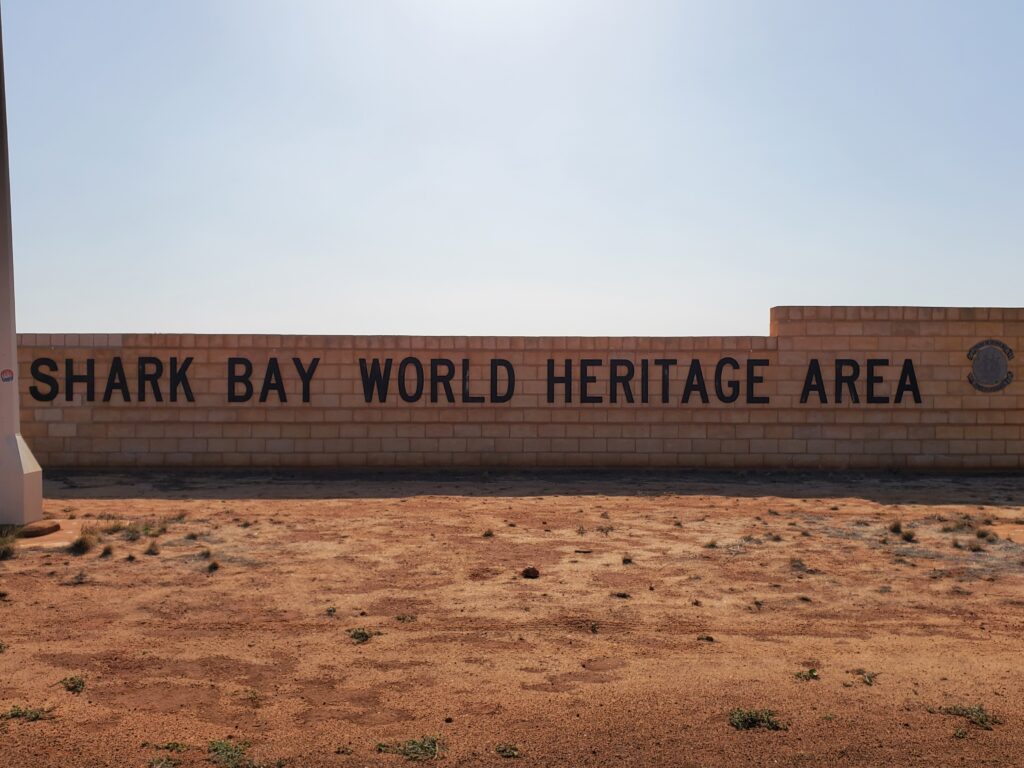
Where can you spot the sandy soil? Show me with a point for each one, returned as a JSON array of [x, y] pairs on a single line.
[[598, 662]]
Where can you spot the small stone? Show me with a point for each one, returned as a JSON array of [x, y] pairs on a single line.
[[38, 528], [531, 573]]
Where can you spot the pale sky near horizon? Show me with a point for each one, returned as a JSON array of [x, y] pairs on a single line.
[[509, 166]]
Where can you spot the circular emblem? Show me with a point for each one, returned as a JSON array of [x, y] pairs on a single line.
[[6, 375], [990, 365]]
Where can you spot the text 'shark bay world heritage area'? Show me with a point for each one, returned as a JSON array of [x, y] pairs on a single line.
[[511, 383]]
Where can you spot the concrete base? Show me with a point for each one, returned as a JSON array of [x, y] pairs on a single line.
[[21, 483]]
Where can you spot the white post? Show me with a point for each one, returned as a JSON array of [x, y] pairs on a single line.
[[21, 479]]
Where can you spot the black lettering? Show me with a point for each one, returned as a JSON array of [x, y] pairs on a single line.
[[874, 379], [510, 377], [88, 378], [908, 383], [466, 396], [814, 382], [179, 379], [374, 380], [151, 377], [305, 374], [621, 379], [117, 380], [665, 365], [273, 382], [564, 380], [403, 390], [753, 379], [53, 388], [733, 386], [695, 383], [438, 379], [848, 379], [586, 380], [235, 378]]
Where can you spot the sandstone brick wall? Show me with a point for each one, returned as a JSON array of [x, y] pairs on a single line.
[[954, 426]]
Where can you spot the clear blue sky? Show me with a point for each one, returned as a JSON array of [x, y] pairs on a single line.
[[509, 166]]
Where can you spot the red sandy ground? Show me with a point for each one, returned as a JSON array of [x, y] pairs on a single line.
[[558, 666]]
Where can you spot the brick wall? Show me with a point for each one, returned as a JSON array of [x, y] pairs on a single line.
[[954, 426]]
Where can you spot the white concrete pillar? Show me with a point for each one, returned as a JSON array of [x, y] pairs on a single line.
[[21, 479]]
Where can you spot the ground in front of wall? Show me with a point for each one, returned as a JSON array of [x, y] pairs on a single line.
[[571, 620]]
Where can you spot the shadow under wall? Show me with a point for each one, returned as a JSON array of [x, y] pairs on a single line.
[[999, 490]]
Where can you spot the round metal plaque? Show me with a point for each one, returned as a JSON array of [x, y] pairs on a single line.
[[990, 365]]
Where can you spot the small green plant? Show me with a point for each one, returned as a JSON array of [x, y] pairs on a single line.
[[213, 566], [164, 761], [84, 542], [405, 618], [73, 684], [908, 536], [170, 746], [130, 532], [229, 754], [896, 527], [108, 551], [868, 678], [3, 647], [960, 733], [28, 714], [80, 578], [360, 635], [965, 523], [152, 549], [7, 547], [711, 545], [605, 529], [331, 611], [507, 750], [425, 748], [808, 674], [976, 715], [746, 719], [488, 534]]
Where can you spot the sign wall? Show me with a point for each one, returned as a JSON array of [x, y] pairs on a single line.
[[834, 387]]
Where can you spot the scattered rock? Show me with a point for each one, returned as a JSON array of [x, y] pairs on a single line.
[[38, 528]]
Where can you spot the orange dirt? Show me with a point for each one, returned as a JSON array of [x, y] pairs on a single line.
[[557, 666]]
